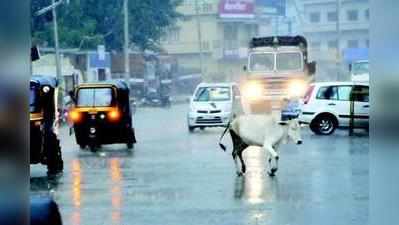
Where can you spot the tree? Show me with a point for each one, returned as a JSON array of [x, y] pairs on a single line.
[[87, 23]]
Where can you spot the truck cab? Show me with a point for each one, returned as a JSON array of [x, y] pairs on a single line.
[[277, 69]]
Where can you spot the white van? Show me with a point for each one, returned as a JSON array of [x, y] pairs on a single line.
[[211, 105]]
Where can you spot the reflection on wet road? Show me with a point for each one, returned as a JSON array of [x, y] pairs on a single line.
[[173, 177]]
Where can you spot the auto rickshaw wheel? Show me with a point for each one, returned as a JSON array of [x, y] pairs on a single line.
[[55, 164], [93, 147], [130, 145], [82, 146]]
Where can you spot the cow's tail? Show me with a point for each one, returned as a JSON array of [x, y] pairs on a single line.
[[222, 146]]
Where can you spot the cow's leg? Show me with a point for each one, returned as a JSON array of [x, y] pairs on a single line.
[[234, 154], [238, 147], [243, 167], [272, 159]]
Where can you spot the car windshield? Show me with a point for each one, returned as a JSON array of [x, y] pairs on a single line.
[[33, 105], [261, 62], [205, 94], [360, 68], [94, 97], [289, 61]]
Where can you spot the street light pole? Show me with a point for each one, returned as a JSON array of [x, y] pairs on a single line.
[[56, 44], [199, 37], [126, 41], [338, 5]]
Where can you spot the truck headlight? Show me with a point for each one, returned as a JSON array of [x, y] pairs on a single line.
[[297, 88], [252, 90]]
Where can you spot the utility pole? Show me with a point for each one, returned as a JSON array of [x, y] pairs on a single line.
[[199, 36], [56, 44], [338, 4], [126, 41]]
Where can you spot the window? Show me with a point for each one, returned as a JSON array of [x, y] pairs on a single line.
[[174, 35], [367, 14], [353, 43], [332, 44], [328, 93], [344, 93], [90, 97], [230, 32], [361, 93], [261, 62], [206, 7], [205, 45], [289, 61], [314, 17], [332, 16], [205, 94], [352, 15]]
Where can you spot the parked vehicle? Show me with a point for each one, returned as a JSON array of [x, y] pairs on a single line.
[[102, 115], [212, 105], [44, 143], [326, 106]]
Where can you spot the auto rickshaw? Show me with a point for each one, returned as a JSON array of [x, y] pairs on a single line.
[[44, 143], [102, 114]]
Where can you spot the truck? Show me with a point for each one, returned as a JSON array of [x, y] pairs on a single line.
[[359, 71], [277, 69]]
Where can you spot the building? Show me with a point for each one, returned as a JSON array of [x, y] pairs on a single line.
[[224, 28], [326, 31]]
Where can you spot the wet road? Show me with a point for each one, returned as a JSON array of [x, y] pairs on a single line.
[[173, 177]]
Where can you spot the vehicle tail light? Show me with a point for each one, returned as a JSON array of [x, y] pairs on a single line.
[[308, 93], [114, 115], [74, 116]]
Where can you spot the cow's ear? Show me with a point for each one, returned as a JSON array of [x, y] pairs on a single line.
[[283, 123]]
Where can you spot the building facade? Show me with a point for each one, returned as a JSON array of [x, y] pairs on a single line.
[[327, 29]]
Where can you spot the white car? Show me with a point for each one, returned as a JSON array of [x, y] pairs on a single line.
[[211, 105], [326, 106]]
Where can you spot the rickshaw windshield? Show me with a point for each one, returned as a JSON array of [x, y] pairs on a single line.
[[33, 100], [94, 97]]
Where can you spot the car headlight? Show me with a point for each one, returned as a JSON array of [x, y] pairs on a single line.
[[297, 88], [252, 90]]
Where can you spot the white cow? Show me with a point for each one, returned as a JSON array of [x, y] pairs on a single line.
[[263, 131]]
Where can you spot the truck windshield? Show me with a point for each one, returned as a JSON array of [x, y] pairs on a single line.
[[261, 62], [360, 68], [94, 97], [205, 94], [289, 61]]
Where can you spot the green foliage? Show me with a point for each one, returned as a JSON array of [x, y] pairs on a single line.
[[86, 23]]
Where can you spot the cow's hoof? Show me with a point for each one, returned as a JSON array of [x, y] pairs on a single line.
[[277, 158], [271, 174], [239, 174]]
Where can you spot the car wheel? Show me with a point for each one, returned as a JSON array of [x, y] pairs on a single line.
[[191, 129], [93, 147], [130, 145], [324, 125], [202, 128], [55, 164]]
